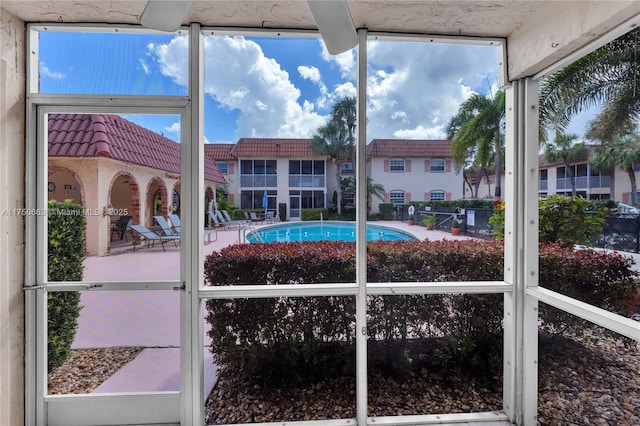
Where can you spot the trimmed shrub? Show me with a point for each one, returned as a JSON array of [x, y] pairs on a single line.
[[386, 211], [282, 211], [66, 254], [278, 340], [314, 214]]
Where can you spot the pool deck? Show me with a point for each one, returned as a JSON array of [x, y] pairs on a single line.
[[151, 319]]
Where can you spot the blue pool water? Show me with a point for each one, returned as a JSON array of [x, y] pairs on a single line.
[[319, 231]]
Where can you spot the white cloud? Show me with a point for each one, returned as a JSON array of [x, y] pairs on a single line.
[[46, 72], [174, 128], [240, 77], [413, 88], [345, 62]]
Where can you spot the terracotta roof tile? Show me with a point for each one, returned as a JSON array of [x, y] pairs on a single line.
[[219, 151], [409, 148], [99, 135], [272, 148]]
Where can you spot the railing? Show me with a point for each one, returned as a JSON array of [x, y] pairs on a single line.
[[258, 181], [583, 182], [306, 181], [242, 234]]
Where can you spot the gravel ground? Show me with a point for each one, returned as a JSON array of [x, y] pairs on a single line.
[[583, 381], [88, 368]]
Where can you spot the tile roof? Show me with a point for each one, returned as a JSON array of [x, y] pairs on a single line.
[[272, 148], [111, 136], [409, 148], [219, 151]]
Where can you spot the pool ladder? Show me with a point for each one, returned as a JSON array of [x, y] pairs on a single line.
[[242, 234]]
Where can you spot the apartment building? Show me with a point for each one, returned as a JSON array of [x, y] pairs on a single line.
[[291, 173]]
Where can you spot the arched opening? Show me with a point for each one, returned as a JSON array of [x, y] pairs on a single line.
[[157, 200], [65, 184]]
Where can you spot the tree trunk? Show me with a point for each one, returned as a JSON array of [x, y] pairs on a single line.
[[339, 206], [572, 178], [498, 187], [634, 186]]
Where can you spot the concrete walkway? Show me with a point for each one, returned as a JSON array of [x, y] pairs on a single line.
[[151, 319]]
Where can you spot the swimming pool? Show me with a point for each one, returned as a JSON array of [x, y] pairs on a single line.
[[322, 231]]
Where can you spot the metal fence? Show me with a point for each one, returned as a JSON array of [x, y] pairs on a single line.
[[620, 233]]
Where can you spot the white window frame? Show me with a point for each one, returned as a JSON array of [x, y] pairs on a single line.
[[441, 196], [519, 286], [437, 165], [393, 195], [397, 165]]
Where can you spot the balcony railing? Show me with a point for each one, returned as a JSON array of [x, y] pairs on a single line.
[[258, 181], [584, 182], [306, 181]]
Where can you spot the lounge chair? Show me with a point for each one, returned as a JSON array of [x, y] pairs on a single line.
[[152, 237], [228, 219], [175, 224], [166, 228], [220, 219]]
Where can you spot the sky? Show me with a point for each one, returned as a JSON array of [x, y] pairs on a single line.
[[274, 87]]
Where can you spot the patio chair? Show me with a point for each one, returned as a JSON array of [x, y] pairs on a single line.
[[175, 223], [254, 217], [228, 219], [271, 217], [227, 223], [166, 228], [152, 237], [120, 227]]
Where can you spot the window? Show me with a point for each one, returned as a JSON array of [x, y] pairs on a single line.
[[437, 196], [306, 173], [258, 173], [437, 165], [396, 197], [346, 169], [396, 165], [224, 167]]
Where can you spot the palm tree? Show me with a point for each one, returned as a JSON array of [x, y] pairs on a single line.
[[624, 152], [344, 112], [373, 189], [477, 129], [608, 76], [565, 149], [332, 140], [604, 163]]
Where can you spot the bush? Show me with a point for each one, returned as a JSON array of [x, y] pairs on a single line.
[[386, 211], [289, 339], [568, 220], [314, 214], [66, 254], [282, 211]]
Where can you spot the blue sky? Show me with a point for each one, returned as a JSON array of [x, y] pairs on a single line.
[[274, 87]]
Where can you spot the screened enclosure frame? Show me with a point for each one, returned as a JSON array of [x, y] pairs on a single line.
[[519, 287]]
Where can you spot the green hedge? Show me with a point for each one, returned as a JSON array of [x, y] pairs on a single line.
[[314, 214], [66, 254], [278, 340], [386, 211]]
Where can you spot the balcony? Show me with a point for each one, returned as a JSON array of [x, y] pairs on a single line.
[[258, 181], [306, 181]]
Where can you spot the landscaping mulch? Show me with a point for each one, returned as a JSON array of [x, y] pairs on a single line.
[[587, 380], [88, 368]]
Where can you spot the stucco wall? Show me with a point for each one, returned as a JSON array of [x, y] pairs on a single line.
[[12, 116]]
